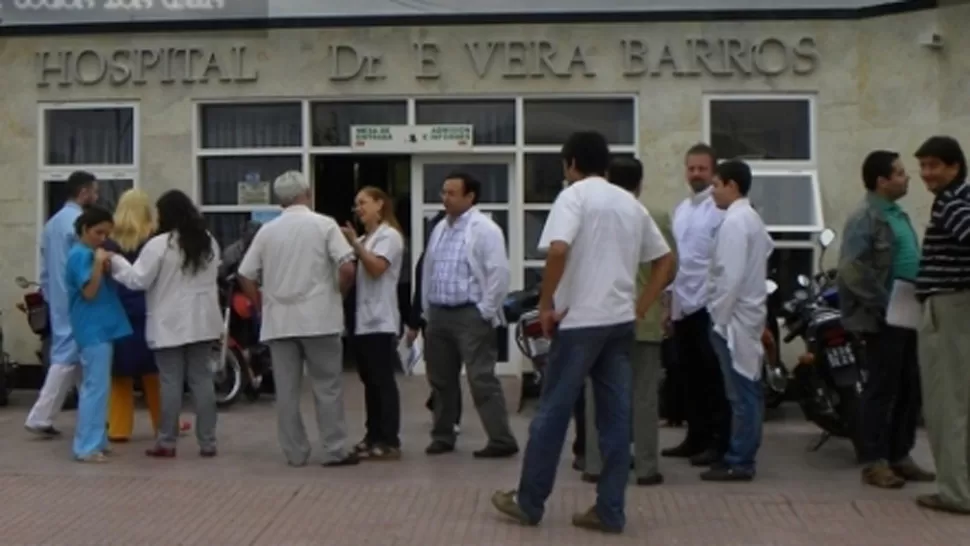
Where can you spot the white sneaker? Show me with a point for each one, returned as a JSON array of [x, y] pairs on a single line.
[[457, 430]]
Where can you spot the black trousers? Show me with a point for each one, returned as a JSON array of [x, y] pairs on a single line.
[[673, 397], [376, 358], [707, 409], [890, 405]]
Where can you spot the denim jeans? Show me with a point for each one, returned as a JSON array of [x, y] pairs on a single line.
[[603, 354], [747, 410]]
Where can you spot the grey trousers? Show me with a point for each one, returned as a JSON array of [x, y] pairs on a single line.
[[458, 335], [646, 360], [324, 366], [176, 365]]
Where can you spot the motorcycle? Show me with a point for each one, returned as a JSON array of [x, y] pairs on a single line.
[[828, 376], [521, 309], [774, 374], [242, 364], [34, 307]]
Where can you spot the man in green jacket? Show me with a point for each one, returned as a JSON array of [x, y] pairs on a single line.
[[646, 358]]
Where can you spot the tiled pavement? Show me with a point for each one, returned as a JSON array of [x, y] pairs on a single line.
[[248, 496]]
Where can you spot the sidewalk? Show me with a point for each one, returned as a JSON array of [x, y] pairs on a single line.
[[248, 496]]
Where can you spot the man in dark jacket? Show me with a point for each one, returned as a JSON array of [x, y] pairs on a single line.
[[414, 321]]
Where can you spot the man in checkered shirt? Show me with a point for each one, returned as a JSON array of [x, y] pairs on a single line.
[[465, 278]]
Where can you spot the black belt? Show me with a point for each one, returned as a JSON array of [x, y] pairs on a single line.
[[465, 305]]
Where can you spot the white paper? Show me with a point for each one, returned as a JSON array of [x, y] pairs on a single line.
[[904, 311], [410, 356]]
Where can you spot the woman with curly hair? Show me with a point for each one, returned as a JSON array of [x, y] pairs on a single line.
[[178, 270], [133, 226]]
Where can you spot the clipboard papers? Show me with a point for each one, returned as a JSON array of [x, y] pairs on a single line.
[[904, 310]]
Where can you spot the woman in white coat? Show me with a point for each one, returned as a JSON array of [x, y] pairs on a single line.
[[178, 271]]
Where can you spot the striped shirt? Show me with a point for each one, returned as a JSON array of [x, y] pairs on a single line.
[[945, 263]]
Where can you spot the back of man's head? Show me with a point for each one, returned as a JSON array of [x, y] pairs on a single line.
[[77, 182], [587, 152], [627, 173], [290, 186]]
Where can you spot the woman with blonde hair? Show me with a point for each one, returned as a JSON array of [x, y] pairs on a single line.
[[380, 253], [133, 226]]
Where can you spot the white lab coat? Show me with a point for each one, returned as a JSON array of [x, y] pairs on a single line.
[[487, 260], [738, 295]]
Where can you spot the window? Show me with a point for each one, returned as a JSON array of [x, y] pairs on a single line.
[[243, 148], [776, 129], [775, 135], [252, 125], [98, 138], [493, 120], [549, 122], [89, 136], [332, 120]]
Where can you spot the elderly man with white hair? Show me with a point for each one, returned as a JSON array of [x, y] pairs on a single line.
[[303, 263]]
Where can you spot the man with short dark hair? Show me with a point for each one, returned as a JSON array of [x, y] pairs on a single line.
[[595, 238], [627, 173], [738, 308], [943, 284], [58, 238], [465, 278], [879, 249], [694, 222]]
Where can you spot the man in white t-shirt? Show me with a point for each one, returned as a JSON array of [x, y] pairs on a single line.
[[596, 237]]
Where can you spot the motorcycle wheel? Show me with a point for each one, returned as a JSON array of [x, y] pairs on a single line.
[[229, 378], [775, 384]]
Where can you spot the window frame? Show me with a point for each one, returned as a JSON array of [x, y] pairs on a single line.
[[58, 173], [772, 167]]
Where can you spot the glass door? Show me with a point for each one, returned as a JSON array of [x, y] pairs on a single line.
[[496, 174]]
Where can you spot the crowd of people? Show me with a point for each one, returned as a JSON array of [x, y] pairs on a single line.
[[134, 295]]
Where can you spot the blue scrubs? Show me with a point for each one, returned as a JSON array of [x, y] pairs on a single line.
[[96, 324], [58, 238]]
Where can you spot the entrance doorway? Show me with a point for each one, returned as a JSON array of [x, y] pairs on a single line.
[[336, 181]]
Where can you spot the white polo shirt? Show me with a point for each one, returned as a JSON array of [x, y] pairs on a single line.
[[377, 310], [296, 257], [610, 233]]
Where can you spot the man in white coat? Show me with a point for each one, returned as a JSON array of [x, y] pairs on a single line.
[[738, 309], [465, 278], [303, 262]]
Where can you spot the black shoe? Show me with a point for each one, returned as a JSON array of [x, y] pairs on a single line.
[[438, 447], [350, 460], [579, 464], [590, 478], [653, 479], [44, 432], [682, 451], [493, 452], [706, 458], [724, 473]]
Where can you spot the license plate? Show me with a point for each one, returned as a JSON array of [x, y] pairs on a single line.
[[840, 357]]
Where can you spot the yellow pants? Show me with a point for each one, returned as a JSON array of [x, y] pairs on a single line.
[[121, 409]]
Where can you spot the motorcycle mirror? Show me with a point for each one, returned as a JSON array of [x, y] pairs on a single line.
[[803, 281], [801, 295], [22, 282], [826, 237], [771, 286]]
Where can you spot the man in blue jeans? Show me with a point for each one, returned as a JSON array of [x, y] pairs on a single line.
[[738, 309], [595, 239]]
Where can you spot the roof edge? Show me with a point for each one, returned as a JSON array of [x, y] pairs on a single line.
[[469, 19]]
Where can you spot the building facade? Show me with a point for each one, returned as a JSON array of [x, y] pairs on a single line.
[[220, 113]]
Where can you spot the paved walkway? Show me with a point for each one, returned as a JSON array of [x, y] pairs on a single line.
[[248, 496]]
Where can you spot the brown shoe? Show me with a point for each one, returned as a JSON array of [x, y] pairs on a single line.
[[506, 503], [591, 520], [935, 502], [879, 475], [908, 470], [384, 453]]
